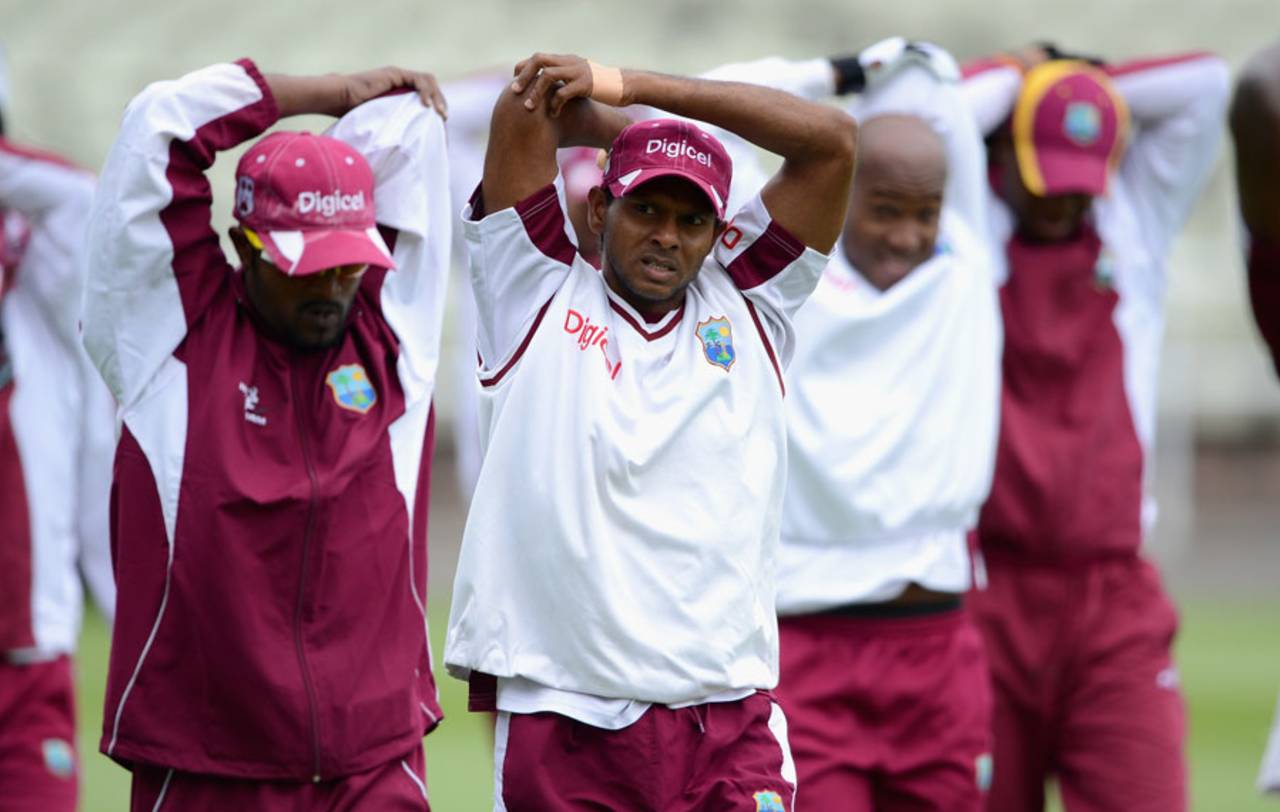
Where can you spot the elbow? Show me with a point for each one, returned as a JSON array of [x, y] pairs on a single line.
[[511, 116], [842, 140]]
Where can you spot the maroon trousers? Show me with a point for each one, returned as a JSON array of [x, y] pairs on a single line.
[[717, 756], [887, 715], [1085, 686]]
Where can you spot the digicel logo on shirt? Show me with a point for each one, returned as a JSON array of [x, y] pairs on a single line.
[[329, 204], [589, 334], [677, 149]]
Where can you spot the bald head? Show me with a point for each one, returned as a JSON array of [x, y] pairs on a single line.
[[892, 226]]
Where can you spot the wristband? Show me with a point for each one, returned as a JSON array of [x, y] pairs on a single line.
[[850, 75], [606, 84]]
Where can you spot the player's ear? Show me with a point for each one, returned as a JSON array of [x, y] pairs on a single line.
[[244, 249], [597, 208]]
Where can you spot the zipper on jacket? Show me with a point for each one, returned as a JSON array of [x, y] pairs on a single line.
[[302, 576]]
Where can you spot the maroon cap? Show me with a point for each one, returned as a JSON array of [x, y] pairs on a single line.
[[665, 146], [1069, 127], [308, 200]]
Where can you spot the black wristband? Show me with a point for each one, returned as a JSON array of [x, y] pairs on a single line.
[[850, 77]]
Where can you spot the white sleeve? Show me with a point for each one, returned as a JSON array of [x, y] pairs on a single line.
[[154, 261], [404, 143], [990, 90], [1177, 106], [54, 197], [520, 256], [773, 270]]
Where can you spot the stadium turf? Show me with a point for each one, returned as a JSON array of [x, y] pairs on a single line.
[[1228, 653]]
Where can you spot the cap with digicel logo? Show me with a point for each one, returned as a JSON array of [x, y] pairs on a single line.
[[666, 147], [1069, 127], [308, 201]]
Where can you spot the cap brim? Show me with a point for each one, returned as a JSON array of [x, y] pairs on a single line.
[[301, 253], [619, 189], [1069, 171]]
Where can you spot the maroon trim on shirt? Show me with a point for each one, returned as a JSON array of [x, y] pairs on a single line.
[[639, 328], [544, 223], [15, 539], [1264, 292], [765, 258], [768, 346], [1139, 65], [515, 356]]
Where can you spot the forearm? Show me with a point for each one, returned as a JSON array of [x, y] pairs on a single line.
[[585, 123], [299, 95], [1255, 127], [798, 130]]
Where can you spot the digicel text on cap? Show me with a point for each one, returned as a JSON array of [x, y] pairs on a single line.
[[329, 204], [677, 149]]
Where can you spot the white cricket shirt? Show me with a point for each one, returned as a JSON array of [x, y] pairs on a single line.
[[892, 416], [622, 538]]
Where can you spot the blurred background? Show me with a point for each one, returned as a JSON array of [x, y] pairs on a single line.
[[74, 65]]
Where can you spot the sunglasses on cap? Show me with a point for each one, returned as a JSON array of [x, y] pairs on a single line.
[[342, 272]]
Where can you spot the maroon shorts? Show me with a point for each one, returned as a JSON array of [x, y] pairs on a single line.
[[722, 756], [1085, 686], [38, 765], [887, 713], [397, 786]]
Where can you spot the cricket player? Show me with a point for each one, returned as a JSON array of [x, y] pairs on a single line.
[[1255, 127], [891, 418], [615, 592], [269, 506], [1093, 171], [56, 439]]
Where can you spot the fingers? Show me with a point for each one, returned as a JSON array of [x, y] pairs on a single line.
[[429, 91], [579, 87], [541, 87], [529, 68], [551, 79]]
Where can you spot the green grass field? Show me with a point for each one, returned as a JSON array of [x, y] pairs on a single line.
[[1229, 655]]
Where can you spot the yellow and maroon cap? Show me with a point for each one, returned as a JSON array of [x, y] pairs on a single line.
[[1069, 127]]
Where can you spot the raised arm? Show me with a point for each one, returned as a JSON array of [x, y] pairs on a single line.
[[1255, 126], [1177, 106], [153, 259], [403, 141], [808, 194], [524, 137]]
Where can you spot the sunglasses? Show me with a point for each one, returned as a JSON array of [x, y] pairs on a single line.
[[344, 273]]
